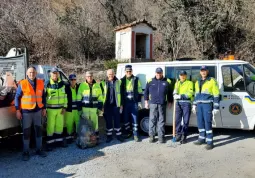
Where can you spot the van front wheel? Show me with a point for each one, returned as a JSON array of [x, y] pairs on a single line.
[[144, 121]]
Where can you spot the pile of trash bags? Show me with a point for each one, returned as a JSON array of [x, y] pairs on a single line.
[[86, 136]]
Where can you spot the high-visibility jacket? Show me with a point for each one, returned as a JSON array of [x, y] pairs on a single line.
[[208, 92], [185, 89], [74, 97], [56, 96], [31, 98], [131, 89], [117, 84], [90, 97]]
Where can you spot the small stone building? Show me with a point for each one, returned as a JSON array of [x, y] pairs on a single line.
[[134, 41]]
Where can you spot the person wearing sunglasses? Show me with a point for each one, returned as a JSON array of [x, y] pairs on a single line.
[[131, 91]]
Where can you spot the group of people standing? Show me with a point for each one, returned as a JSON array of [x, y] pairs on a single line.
[[64, 103], [202, 101]]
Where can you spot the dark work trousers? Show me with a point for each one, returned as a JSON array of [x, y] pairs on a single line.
[[112, 113], [131, 109], [27, 120], [204, 122], [183, 111], [157, 118]]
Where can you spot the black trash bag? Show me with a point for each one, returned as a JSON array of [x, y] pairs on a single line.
[[86, 136]]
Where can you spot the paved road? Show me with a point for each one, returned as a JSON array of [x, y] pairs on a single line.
[[233, 157]]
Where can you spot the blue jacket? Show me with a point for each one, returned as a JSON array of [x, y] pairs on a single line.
[[158, 91], [19, 94]]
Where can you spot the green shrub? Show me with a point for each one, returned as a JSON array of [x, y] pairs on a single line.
[[111, 64]]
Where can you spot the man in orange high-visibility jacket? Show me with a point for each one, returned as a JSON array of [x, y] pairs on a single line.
[[30, 107]]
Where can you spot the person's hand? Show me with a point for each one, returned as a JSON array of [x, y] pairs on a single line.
[[194, 109], [18, 115], [146, 105], [177, 97], [140, 105], [121, 109], [43, 112], [63, 111], [169, 105], [215, 111]]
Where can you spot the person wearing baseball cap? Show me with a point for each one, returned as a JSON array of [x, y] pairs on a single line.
[[131, 91], [183, 94], [159, 92], [56, 105], [205, 105], [72, 115]]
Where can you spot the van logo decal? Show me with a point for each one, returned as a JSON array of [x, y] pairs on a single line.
[[235, 109]]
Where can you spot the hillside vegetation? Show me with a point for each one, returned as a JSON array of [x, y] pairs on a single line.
[[81, 31]]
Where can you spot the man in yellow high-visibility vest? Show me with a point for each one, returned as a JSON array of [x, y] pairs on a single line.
[[90, 100], [56, 103], [183, 94]]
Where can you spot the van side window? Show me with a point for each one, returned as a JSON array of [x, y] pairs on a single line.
[[170, 73], [195, 72], [233, 78]]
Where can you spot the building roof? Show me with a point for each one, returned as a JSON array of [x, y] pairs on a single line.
[[123, 26]]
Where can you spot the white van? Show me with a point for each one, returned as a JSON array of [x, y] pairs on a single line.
[[237, 89], [16, 66]]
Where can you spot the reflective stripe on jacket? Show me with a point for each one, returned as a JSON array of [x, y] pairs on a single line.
[[208, 92], [56, 95], [88, 99], [185, 89], [31, 98], [74, 97], [131, 89]]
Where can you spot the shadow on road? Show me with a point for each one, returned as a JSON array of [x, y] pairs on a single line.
[[230, 135], [59, 158], [65, 158]]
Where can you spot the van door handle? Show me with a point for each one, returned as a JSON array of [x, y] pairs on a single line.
[[223, 107]]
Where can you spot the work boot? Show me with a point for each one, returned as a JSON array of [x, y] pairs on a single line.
[[108, 139], [136, 139], [183, 139], [178, 138], [162, 140], [152, 139], [41, 153], [64, 143], [209, 147], [199, 142], [120, 138], [25, 156]]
